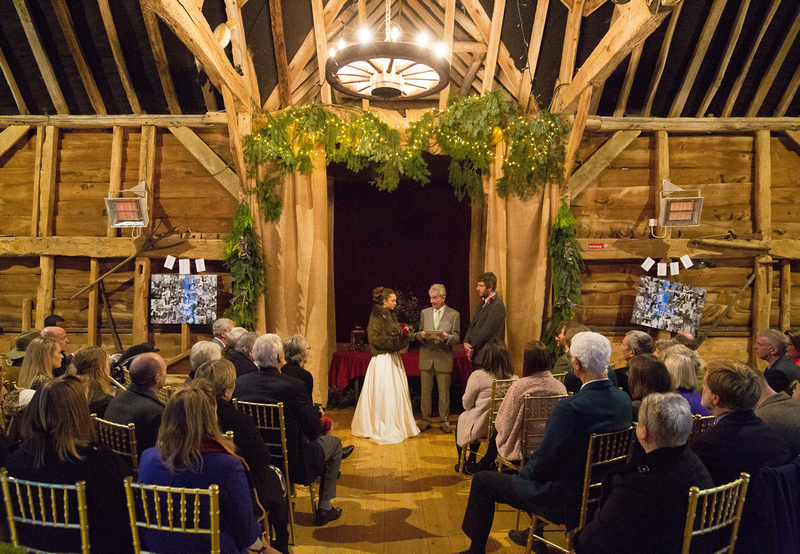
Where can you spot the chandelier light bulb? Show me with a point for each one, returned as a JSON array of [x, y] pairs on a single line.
[[332, 52], [395, 33], [441, 50], [364, 35], [340, 44], [423, 39]]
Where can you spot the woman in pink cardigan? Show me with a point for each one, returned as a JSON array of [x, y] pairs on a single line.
[[536, 380]]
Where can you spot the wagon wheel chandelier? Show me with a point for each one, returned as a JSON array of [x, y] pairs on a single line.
[[388, 69]]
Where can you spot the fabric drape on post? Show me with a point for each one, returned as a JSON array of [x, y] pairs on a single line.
[[299, 251], [516, 251]]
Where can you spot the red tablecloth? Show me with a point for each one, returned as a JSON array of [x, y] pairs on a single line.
[[347, 365]]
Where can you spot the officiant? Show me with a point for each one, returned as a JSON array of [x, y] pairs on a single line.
[[440, 328]]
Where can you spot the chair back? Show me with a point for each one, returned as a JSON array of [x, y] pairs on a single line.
[[119, 438], [499, 389], [164, 393], [560, 376], [607, 452], [270, 418], [172, 510], [718, 508], [45, 505], [536, 411], [701, 424]]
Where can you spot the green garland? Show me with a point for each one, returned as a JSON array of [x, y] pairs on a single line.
[[564, 251], [245, 260]]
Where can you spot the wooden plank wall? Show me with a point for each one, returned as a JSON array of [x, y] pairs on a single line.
[[186, 195]]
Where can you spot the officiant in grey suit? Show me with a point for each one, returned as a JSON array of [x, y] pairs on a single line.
[[436, 355], [489, 321]]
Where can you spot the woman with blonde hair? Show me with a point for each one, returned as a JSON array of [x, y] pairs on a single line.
[[191, 452], [59, 447], [684, 379], [93, 366]]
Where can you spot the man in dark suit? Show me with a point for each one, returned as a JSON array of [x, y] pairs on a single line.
[[489, 321], [550, 484], [739, 441], [242, 355], [310, 455], [139, 404], [771, 346], [634, 343], [436, 355]]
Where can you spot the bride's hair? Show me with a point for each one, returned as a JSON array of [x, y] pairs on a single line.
[[379, 294]]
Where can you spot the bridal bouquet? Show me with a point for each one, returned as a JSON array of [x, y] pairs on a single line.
[[407, 332]]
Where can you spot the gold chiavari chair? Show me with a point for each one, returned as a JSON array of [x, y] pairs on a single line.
[[719, 507], [499, 389], [119, 438], [701, 424], [164, 393]]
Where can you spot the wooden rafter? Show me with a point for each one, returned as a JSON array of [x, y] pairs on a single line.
[[597, 95], [572, 35], [12, 84], [627, 83], [449, 27], [700, 50], [788, 95], [733, 38], [42, 61], [493, 45], [108, 121], [321, 41], [634, 25], [68, 28], [794, 135], [10, 136], [279, 44], [119, 58], [241, 55], [534, 48], [160, 57], [661, 62], [592, 6], [737, 84], [775, 66], [209, 159], [576, 135], [471, 72], [235, 137], [586, 174], [693, 124]]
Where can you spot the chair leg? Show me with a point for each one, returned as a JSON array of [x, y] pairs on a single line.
[[314, 505], [462, 460], [291, 520], [531, 530]]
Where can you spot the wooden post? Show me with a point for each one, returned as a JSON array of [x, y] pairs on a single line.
[[762, 223], [761, 304], [115, 171], [147, 156], [27, 309], [37, 176], [141, 300], [47, 181], [91, 331], [44, 293], [662, 172], [186, 337], [786, 295]]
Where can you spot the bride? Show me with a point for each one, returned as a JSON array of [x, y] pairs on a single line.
[[383, 413]]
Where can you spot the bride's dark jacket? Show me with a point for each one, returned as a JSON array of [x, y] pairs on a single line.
[[383, 331]]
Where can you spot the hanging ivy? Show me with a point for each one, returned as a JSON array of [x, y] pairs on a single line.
[[565, 253], [245, 260]]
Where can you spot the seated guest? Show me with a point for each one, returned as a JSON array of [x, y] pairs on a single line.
[[473, 422], [16, 355], [242, 355], [633, 344], [310, 455], [661, 345], [295, 349], [93, 367], [122, 362], [793, 345], [683, 350], [647, 375], [192, 453], [536, 380], [684, 379], [562, 364], [643, 505], [60, 335], [771, 346], [202, 352], [139, 404], [59, 447], [250, 446], [551, 482], [571, 381], [220, 330], [740, 441], [781, 412], [231, 338]]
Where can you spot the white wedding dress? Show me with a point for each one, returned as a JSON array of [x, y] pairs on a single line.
[[383, 413]]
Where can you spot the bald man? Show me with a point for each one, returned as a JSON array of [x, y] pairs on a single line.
[[59, 334]]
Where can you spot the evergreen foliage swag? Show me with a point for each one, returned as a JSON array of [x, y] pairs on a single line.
[[247, 264]]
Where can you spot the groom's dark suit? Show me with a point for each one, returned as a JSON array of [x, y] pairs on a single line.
[[488, 323]]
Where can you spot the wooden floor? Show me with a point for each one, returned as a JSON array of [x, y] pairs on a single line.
[[403, 498]]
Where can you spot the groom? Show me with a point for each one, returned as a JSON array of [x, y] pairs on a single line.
[[436, 355], [489, 321]]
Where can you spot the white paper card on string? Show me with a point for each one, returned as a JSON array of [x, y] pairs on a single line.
[[662, 270], [184, 267], [686, 261], [674, 268], [169, 263], [200, 264], [648, 264]]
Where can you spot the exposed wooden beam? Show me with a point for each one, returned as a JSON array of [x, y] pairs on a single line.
[[661, 61], [794, 135], [722, 67], [592, 6], [11, 136], [321, 40], [576, 135], [141, 300], [209, 159], [662, 173], [737, 84], [47, 181], [281, 60], [493, 45], [572, 35], [449, 26], [241, 54], [189, 25], [108, 121], [608, 249], [591, 168], [597, 95], [634, 25], [693, 125], [108, 247], [788, 94], [362, 20], [37, 176], [762, 193], [774, 67], [627, 83], [235, 139], [762, 299], [471, 73], [115, 169], [700, 49], [42, 61], [786, 296], [68, 28], [44, 292], [467, 46], [92, 309], [147, 157], [119, 58], [534, 49], [160, 57], [12, 84]]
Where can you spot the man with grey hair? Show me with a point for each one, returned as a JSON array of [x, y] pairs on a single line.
[[220, 330], [643, 505], [550, 484], [781, 372], [634, 343], [231, 337], [202, 352], [310, 454], [440, 328], [242, 355], [59, 334], [295, 351]]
